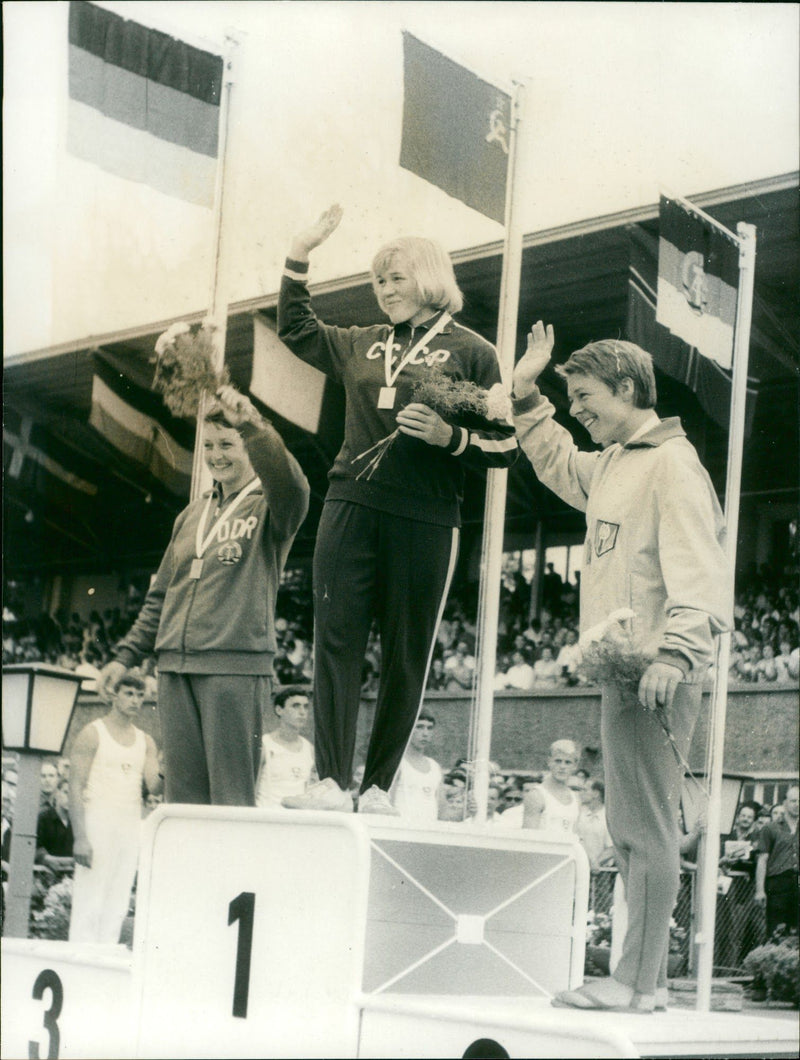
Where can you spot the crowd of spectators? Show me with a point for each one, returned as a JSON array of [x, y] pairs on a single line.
[[533, 654]]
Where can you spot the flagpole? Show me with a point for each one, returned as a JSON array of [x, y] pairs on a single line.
[[709, 854], [497, 478], [216, 321]]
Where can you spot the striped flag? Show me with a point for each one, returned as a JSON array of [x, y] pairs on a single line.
[[136, 422], [143, 105], [455, 129], [698, 277], [672, 354]]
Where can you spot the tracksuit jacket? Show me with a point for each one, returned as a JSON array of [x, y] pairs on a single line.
[[654, 532], [223, 622], [414, 479]]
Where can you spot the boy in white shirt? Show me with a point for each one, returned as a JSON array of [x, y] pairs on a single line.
[[416, 787], [287, 758]]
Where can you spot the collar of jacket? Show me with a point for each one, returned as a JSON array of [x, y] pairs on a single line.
[[425, 325], [662, 432]]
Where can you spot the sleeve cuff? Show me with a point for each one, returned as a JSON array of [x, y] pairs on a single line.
[[458, 443], [127, 657], [296, 270], [525, 404], [249, 429], [675, 658]]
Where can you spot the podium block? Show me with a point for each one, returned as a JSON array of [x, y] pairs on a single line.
[[457, 911], [63, 1000], [262, 933], [249, 933]]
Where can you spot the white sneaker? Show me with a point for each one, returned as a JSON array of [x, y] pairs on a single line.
[[374, 800], [324, 795]]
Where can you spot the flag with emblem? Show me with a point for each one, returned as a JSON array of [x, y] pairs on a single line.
[[674, 355], [455, 129], [143, 105], [698, 277]]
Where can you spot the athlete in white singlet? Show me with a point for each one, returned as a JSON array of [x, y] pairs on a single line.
[[108, 763], [287, 760]]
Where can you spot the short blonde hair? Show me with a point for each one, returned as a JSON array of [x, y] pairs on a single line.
[[430, 267]]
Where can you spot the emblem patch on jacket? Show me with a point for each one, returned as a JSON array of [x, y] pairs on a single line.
[[229, 553], [605, 536]]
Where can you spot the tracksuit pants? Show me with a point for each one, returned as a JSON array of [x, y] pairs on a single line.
[[643, 787], [370, 564], [211, 728]]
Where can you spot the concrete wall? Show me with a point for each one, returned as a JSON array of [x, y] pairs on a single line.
[[761, 731]]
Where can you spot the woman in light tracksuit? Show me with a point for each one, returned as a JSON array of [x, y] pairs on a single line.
[[653, 547]]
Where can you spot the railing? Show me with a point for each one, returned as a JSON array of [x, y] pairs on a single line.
[[740, 925]]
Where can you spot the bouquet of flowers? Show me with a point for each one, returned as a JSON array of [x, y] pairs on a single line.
[[610, 655], [458, 401], [185, 368]]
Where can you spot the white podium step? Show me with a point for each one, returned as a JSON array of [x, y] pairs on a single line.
[[329, 935]]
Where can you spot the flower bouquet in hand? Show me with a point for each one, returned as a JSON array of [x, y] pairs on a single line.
[[185, 368], [458, 401], [611, 656]]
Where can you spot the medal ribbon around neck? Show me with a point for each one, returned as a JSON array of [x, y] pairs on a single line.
[[201, 542], [431, 333]]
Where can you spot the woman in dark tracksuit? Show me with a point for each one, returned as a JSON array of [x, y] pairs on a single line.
[[388, 537]]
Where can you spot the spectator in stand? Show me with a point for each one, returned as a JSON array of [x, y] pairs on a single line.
[[552, 805], [54, 838], [437, 678], [494, 798], [783, 662], [88, 668], [533, 632], [738, 910], [546, 671], [456, 802], [111, 759], [512, 796], [416, 790], [287, 761], [552, 584], [794, 664], [764, 816], [570, 657], [459, 668], [453, 799], [48, 782], [519, 675], [592, 831], [766, 668], [777, 867]]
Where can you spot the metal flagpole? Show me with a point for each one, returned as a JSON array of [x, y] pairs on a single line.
[[496, 479], [216, 320], [709, 858]]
